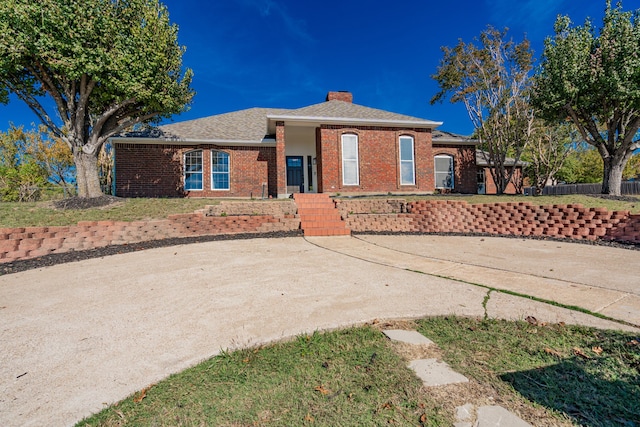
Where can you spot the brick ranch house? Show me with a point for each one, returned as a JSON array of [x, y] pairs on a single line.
[[332, 147]]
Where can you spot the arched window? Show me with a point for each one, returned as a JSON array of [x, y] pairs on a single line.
[[407, 164], [219, 170], [350, 172], [193, 170], [443, 166]]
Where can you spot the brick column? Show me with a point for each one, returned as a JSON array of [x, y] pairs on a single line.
[[281, 167]]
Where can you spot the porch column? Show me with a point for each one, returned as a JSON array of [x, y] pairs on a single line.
[[281, 167]]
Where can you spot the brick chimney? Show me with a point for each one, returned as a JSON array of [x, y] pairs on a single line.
[[341, 95]]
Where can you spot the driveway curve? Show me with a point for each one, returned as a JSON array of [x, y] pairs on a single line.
[[76, 337]]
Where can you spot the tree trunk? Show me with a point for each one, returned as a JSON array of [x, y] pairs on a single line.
[[87, 174], [612, 180]]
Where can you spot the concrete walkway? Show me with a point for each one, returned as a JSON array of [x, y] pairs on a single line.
[[79, 336]]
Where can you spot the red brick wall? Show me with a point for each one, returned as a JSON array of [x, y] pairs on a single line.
[[151, 170], [464, 163], [511, 188], [340, 96], [378, 155]]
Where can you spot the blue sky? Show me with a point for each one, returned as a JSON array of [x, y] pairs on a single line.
[[290, 53]]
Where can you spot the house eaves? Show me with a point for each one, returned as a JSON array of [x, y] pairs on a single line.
[[317, 121], [265, 142], [448, 138], [346, 113]]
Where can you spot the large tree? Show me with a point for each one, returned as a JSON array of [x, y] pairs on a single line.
[[548, 149], [492, 80], [90, 69], [593, 78]]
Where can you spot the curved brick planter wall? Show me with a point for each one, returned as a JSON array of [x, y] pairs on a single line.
[[523, 219], [31, 242]]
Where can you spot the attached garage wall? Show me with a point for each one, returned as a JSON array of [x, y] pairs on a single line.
[[156, 170]]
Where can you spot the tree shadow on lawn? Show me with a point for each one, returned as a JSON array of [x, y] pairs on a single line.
[[592, 392]]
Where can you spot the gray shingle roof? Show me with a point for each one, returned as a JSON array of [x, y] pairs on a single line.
[[252, 125], [443, 137], [346, 110], [508, 161], [243, 125]]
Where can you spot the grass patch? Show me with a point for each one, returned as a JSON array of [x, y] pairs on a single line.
[[548, 374], [586, 201], [588, 376], [42, 214], [348, 378]]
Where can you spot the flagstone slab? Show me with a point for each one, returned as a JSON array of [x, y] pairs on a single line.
[[409, 337], [434, 373]]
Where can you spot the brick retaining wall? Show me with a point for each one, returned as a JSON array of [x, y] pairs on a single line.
[[397, 215], [521, 219], [31, 242]]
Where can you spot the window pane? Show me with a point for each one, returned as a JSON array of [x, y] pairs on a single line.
[[349, 147], [350, 160], [406, 149], [350, 172], [219, 170], [220, 181], [443, 171], [406, 173], [193, 170], [407, 169]]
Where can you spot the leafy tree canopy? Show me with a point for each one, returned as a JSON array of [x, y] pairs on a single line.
[[592, 77], [490, 76], [106, 64]]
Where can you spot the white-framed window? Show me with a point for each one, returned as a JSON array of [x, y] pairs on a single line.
[[219, 170], [350, 172], [443, 166], [407, 163], [193, 170]]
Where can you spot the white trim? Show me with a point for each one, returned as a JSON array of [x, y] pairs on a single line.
[[413, 159], [316, 120], [357, 160]]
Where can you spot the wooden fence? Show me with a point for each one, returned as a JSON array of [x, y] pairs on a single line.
[[628, 188]]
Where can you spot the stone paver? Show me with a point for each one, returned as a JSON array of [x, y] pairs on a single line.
[[409, 337], [497, 416], [435, 373], [464, 415]]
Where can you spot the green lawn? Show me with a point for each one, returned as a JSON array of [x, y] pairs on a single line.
[[40, 214], [549, 374]]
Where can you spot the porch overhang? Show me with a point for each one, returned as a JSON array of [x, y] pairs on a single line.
[[311, 121]]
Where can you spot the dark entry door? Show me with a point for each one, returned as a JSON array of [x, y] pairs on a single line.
[[295, 175]]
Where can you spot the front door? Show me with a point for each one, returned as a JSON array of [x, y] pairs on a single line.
[[295, 175]]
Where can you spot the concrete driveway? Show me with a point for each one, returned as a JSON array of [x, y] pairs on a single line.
[[76, 337]]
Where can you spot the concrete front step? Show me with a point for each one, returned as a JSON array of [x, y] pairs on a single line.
[[319, 215]]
